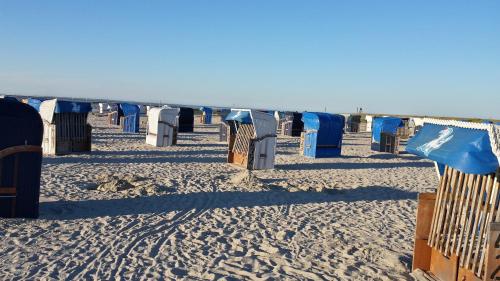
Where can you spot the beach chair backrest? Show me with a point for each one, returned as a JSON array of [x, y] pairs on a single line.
[[465, 206]]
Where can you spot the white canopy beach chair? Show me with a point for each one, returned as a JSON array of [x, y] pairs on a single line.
[[252, 140], [162, 126]]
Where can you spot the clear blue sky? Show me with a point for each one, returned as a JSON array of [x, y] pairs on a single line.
[[414, 57]]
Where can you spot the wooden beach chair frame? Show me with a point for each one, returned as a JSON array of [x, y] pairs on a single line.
[[249, 150], [241, 153], [290, 127], [224, 132], [68, 133], [356, 123], [458, 229]]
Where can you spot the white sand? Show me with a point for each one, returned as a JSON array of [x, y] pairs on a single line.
[[208, 221]]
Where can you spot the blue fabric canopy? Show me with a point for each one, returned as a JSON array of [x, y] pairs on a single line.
[[207, 111], [72, 107], [326, 138], [224, 113], [467, 150], [330, 127], [385, 125], [35, 103], [129, 109], [240, 116]]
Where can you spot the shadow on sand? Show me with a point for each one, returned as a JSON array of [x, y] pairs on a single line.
[[69, 210], [132, 159], [354, 166]]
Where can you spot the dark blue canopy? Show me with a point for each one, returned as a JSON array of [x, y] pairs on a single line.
[[224, 113], [385, 125], [129, 109], [467, 150], [330, 127], [240, 116], [72, 107], [207, 110], [9, 98]]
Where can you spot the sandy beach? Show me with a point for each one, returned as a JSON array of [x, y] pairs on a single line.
[[186, 214]]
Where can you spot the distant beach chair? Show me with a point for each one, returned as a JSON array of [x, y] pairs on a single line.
[[292, 124], [206, 115], [322, 136], [280, 118], [162, 126], [115, 114], [130, 121], [458, 228], [356, 123], [104, 108], [65, 127], [224, 127], [252, 139], [385, 136], [404, 132], [20, 159], [186, 120]]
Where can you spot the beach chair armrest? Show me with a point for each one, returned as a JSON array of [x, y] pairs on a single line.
[[20, 149]]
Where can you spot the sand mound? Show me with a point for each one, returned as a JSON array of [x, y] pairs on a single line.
[[131, 184], [247, 179]]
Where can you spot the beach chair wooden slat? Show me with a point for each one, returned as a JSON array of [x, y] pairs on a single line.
[[472, 242], [453, 190], [470, 218], [492, 263], [483, 224], [445, 208], [459, 189], [491, 203], [437, 207], [469, 179], [470, 188]]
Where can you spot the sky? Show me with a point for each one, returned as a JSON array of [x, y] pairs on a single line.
[[439, 58]]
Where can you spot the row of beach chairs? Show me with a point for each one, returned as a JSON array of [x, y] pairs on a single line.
[[457, 233]]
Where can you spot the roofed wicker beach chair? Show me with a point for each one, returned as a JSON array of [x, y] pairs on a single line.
[[322, 136], [224, 127], [115, 114], [206, 115], [356, 123], [130, 121], [458, 227], [385, 136], [20, 159], [162, 126], [65, 125], [186, 120], [252, 139], [292, 124]]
